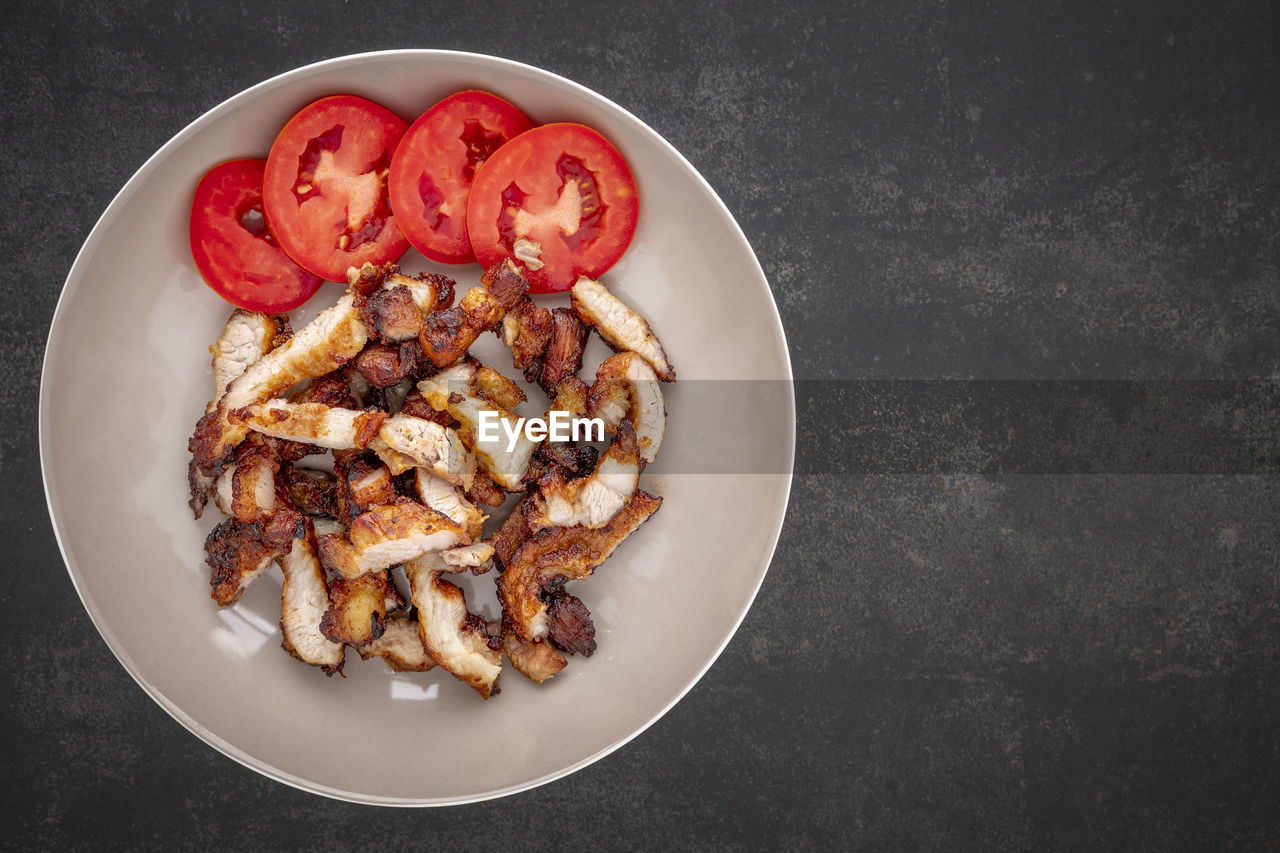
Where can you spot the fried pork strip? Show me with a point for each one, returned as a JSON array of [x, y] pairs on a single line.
[[400, 646], [357, 608], [563, 355], [450, 501], [246, 489], [303, 602], [312, 423], [626, 388], [454, 636], [561, 554], [619, 325], [237, 553], [526, 328], [389, 535], [591, 501], [406, 442], [333, 338], [448, 334], [247, 337], [455, 391]]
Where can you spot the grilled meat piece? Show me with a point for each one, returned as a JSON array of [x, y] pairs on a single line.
[[447, 335], [591, 501], [450, 501], [526, 328], [238, 553], [247, 337], [406, 442], [619, 325], [569, 625], [400, 646], [357, 609], [312, 423], [454, 636], [561, 554], [563, 355], [626, 388], [537, 661], [303, 602], [485, 492], [389, 535], [310, 489]]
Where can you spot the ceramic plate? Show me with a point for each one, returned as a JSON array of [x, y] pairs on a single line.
[[126, 375]]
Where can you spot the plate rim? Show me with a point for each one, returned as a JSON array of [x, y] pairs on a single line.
[[67, 293]]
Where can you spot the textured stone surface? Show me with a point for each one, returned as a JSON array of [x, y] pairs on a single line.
[[936, 191]]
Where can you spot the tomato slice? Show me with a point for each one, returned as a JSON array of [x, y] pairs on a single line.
[[565, 188], [433, 168], [233, 248], [325, 186]]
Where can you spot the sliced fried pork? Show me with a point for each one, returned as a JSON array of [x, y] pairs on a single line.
[[389, 535], [406, 442], [591, 501], [455, 391], [333, 338], [303, 603], [247, 337], [400, 646], [526, 328], [620, 326], [310, 489], [383, 365], [247, 488], [238, 553], [517, 527], [357, 609], [485, 492], [450, 501], [626, 388], [313, 423], [563, 355], [496, 388], [371, 486], [454, 636], [569, 625], [447, 335], [537, 661], [561, 554]]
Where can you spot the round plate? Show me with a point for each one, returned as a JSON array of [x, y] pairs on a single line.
[[126, 375]]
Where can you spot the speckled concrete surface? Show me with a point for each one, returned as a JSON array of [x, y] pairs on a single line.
[[939, 658]]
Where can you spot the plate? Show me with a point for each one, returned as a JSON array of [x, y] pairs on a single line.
[[126, 375]]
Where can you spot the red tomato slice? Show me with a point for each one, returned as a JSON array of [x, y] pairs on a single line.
[[325, 186], [564, 187], [233, 248], [432, 170]]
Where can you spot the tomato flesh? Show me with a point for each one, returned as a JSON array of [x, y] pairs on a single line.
[[566, 190], [233, 248], [325, 186], [435, 165]]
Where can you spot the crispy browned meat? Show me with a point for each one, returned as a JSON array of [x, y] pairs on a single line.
[[371, 486], [387, 535], [311, 490], [517, 527], [562, 553], [330, 390], [392, 314], [237, 552], [619, 326], [592, 500], [333, 338], [563, 355], [357, 610], [486, 492], [400, 646], [569, 625], [526, 329], [536, 661], [493, 386], [415, 405], [447, 335]]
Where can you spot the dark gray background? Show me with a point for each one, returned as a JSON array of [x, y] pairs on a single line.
[[1056, 191]]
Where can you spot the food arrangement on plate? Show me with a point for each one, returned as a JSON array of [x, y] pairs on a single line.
[[359, 449]]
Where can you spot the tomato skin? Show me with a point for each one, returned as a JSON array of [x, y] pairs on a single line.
[[531, 187], [233, 248], [433, 168], [325, 182]]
